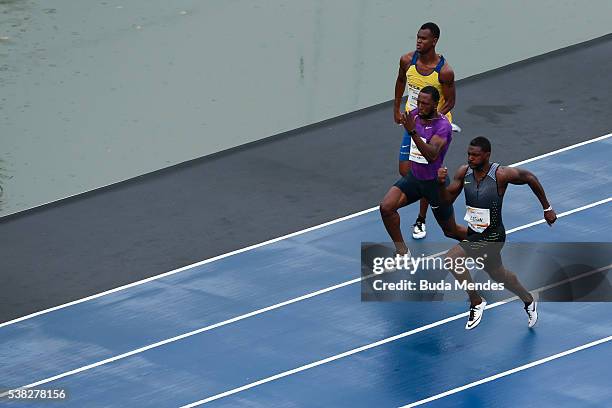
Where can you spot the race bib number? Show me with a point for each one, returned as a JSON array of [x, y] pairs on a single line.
[[415, 155], [478, 219], [413, 94]]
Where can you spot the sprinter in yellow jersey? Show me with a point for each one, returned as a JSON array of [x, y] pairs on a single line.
[[418, 69]]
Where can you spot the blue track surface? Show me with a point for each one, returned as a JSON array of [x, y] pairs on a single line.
[[393, 374]]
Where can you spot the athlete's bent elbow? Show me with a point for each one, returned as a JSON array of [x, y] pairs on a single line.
[[531, 179], [431, 157]]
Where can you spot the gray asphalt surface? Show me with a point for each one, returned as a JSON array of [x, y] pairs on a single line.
[[173, 217]]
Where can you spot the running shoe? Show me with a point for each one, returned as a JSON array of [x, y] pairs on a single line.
[[532, 313], [419, 230], [475, 315]]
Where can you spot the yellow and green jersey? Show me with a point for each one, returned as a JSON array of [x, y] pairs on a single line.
[[417, 81]]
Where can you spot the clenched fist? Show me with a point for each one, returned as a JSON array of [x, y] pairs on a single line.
[[408, 122], [442, 174], [550, 216]]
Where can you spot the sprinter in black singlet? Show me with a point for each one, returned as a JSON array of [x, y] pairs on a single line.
[[485, 184]]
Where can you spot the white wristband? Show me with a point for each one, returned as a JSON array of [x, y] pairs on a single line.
[[548, 209]]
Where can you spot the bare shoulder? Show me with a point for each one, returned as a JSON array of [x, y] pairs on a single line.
[[447, 67], [406, 59], [446, 73], [504, 173], [461, 171], [408, 56]]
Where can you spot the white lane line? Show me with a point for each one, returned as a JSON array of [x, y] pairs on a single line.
[[564, 149], [285, 303], [376, 344], [563, 214], [508, 372], [330, 359], [188, 334], [187, 267], [251, 247]]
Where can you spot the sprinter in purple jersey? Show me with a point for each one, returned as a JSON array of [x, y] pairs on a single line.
[[431, 134]]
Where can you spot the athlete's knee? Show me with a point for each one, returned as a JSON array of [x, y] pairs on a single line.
[[450, 232], [460, 232], [455, 252], [502, 275], [510, 279], [387, 208]]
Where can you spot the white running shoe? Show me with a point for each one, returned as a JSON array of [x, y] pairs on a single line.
[[455, 127], [475, 315], [419, 231], [532, 313]]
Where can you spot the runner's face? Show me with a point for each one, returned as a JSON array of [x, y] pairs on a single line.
[[426, 105], [425, 41], [477, 158]]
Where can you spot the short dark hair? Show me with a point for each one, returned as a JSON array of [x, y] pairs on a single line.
[[481, 142], [433, 27], [433, 91]]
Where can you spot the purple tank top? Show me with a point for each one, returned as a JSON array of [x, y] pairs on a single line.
[[438, 126]]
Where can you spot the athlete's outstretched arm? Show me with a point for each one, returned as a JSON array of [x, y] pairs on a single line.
[[519, 176], [449, 194], [447, 79]]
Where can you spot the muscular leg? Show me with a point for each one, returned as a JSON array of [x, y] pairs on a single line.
[[511, 282], [445, 215], [393, 200], [404, 167], [423, 208], [461, 276], [451, 229]]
